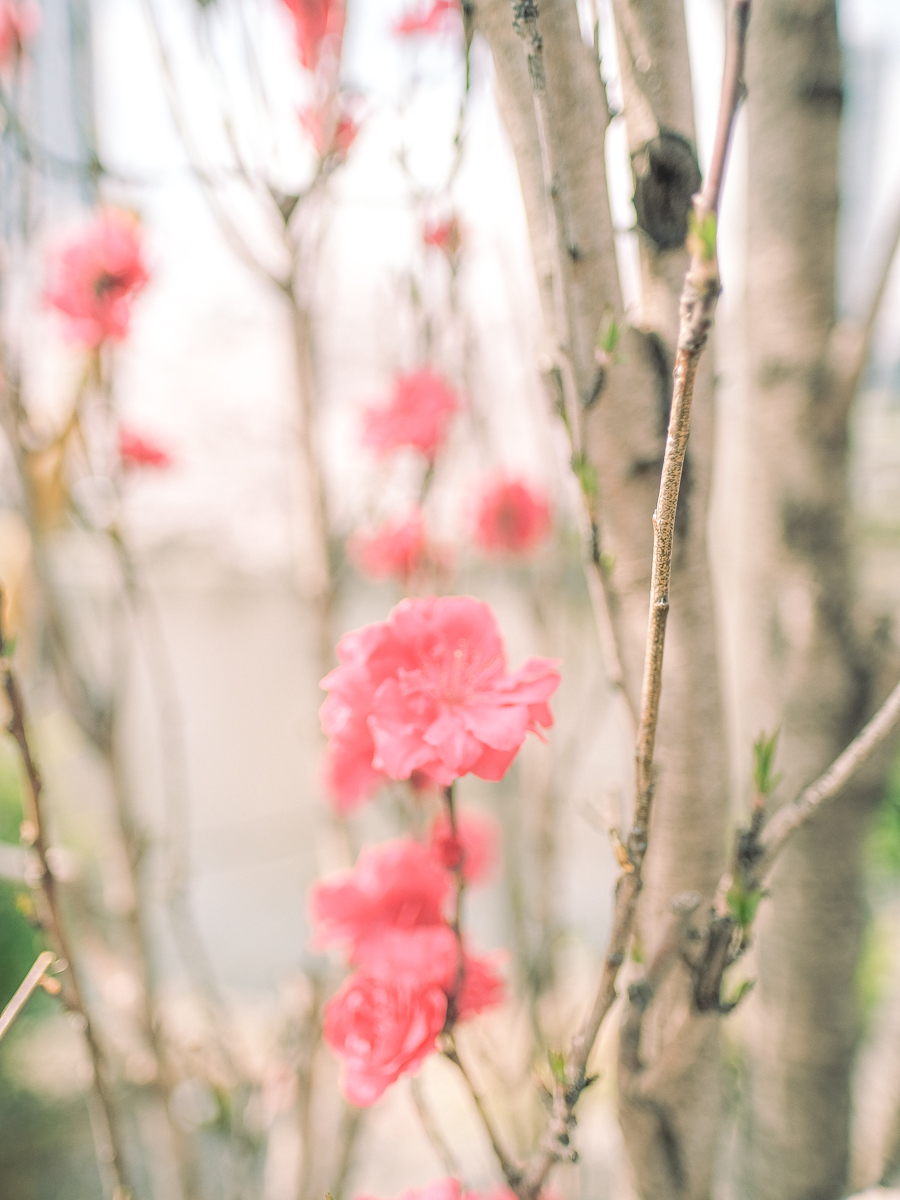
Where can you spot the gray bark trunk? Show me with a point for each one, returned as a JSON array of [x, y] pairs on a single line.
[[804, 670], [671, 1139]]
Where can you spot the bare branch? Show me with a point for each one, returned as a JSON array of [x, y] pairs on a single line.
[[52, 919], [510, 1169], [32, 980], [789, 818], [429, 1125]]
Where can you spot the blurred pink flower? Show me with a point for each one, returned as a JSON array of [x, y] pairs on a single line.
[[445, 236], [474, 845], [19, 22], [417, 415], [318, 119], [398, 548], [441, 16], [95, 276], [318, 24], [397, 885], [511, 517], [381, 1029], [438, 1189], [138, 450]]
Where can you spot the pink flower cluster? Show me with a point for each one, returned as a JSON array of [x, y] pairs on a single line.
[[318, 28], [417, 415], [95, 276], [332, 134], [398, 548], [438, 17], [19, 22], [139, 450], [511, 518], [427, 691], [414, 979], [450, 1189]]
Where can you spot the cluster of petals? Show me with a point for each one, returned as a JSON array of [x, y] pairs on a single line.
[[20, 20], [388, 915], [472, 848], [140, 450], [94, 277], [511, 517], [419, 411], [450, 1189], [437, 17], [398, 549], [445, 235], [427, 691], [318, 27], [332, 134]]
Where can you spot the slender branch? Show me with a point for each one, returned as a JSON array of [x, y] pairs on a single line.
[[510, 1169], [33, 980], [791, 816], [432, 1133], [53, 921]]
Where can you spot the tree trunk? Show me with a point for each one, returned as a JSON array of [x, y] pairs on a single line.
[[804, 670], [624, 434]]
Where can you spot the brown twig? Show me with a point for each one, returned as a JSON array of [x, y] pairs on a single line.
[[511, 1170], [51, 916]]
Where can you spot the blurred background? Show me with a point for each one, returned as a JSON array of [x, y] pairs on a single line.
[[205, 636]]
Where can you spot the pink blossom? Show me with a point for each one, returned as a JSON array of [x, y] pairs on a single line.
[[445, 236], [138, 450], [19, 22], [398, 885], [474, 845], [398, 548], [349, 775], [318, 26], [319, 121], [382, 1029], [428, 691], [95, 276], [438, 18], [511, 517], [417, 415], [428, 956], [439, 1189]]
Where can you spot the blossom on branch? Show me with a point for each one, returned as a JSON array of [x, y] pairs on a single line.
[[318, 27], [427, 691], [439, 17], [399, 548], [417, 415], [138, 450], [95, 276], [331, 133], [381, 1029], [445, 236], [511, 517], [20, 20], [473, 847]]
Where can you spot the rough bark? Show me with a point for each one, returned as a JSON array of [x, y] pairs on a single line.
[[804, 670], [624, 434]]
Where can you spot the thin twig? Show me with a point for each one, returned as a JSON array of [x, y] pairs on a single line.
[[32, 980], [511, 1170], [429, 1125], [791, 816], [52, 919]]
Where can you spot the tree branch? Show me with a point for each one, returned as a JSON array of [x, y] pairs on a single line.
[[791, 816], [511, 1170], [53, 922], [33, 980]]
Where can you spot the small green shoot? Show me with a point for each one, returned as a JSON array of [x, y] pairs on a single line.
[[585, 474], [702, 237], [764, 749], [743, 905], [557, 1062]]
